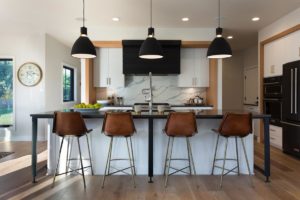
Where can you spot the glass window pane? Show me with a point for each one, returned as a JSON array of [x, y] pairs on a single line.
[[6, 92], [68, 84]]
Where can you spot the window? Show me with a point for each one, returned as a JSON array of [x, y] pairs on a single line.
[[68, 84], [6, 92]]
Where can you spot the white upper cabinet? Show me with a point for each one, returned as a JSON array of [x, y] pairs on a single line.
[[279, 52], [108, 68], [194, 68]]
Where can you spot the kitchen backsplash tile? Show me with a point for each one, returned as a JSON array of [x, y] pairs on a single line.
[[165, 89]]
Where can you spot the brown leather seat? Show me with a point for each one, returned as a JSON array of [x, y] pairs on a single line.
[[118, 124], [69, 123], [181, 124], [234, 124]]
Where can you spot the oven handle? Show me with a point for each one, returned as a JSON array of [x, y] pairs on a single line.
[[273, 83], [292, 89], [296, 93], [283, 122], [272, 99]]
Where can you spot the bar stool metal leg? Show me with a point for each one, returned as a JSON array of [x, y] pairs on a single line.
[[70, 154], [214, 162], [131, 166], [54, 176], [68, 148], [192, 158], [169, 163], [237, 156], [132, 156], [223, 168], [167, 153], [107, 161], [246, 157], [82, 171], [189, 155], [88, 144]]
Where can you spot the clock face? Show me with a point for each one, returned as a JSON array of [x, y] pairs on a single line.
[[29, 74]]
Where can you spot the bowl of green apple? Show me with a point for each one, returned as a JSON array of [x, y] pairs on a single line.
[[82, 107]]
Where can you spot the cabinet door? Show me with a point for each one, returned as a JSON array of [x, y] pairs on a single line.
[[103, 66], [201, 68], [186, 78], [116, 76]]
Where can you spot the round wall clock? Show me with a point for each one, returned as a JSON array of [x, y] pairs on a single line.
[[30, 74]]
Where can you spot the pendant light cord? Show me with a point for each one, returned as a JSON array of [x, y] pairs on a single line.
[[150, 13], [219, 20], [83, 13]]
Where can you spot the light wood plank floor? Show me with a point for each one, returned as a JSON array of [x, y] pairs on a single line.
[[285, 182]]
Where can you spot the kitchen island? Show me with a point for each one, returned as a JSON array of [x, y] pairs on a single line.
[[149, 143]]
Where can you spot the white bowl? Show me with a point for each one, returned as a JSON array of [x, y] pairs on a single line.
[[103, 102]]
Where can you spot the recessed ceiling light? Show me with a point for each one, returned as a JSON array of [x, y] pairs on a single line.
[[116, 19], [185, 19], [229, 37], [255, 19]]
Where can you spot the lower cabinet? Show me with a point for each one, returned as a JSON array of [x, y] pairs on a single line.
[[276, 136]]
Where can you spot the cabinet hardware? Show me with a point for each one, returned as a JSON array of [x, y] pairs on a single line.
[[296, 92], [273, 130], [289, 123], [296, 149], [292, 89], [272, 138]]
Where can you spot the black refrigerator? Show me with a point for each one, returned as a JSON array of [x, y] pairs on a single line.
[[291, 108]]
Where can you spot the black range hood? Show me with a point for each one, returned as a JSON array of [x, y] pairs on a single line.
[[169, 64]]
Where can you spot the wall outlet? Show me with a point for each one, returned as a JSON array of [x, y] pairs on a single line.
[[272, 69]]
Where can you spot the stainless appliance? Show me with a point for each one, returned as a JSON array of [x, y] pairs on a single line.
[[273, 99], [291, 105]]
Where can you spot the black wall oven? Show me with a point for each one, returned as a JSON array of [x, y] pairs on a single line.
[[273, 99]]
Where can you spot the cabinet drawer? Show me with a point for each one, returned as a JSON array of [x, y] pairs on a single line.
[[276, 136]]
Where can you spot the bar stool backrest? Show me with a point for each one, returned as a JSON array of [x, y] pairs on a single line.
[[234, 124], [181, 124], [118, 124], [69, 123]]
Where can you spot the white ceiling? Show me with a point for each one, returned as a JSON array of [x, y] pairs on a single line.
[[58, 17]]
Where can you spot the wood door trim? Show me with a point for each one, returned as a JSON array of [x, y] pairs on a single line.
[[184, 44], [262, 67]]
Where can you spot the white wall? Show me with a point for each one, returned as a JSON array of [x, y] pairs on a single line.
[[31, 47], [25, 48], [58, 54], [250, 56]]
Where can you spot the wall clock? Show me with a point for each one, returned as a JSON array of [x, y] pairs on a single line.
[[30, 74]]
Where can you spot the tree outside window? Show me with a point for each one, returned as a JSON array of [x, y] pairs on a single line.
[[68, 84]]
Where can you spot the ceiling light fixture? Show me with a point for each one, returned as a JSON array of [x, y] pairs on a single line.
[[219, 48], [185, 19], [116, 19], [83, 47], [150, 49], [229, 37], [255, 19]]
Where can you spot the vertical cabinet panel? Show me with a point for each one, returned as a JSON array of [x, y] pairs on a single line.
[[194, 68], [108, 68]]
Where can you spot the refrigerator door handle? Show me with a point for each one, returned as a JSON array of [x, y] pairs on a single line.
[[296, 93], [292, 89]]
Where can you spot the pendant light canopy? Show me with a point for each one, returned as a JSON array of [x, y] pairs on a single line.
[[83, 47], [150, 49], [219, 48]]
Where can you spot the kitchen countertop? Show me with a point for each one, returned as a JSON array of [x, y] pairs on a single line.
[[206, 114]]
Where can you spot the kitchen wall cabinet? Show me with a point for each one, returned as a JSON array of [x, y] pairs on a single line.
[[279, 52], [194, 68], [108, 70]]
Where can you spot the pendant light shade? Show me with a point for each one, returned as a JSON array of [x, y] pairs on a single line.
[[83, 47], [150, 49], [219, 48]]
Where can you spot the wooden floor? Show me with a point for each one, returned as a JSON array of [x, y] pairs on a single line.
[[285, 182]]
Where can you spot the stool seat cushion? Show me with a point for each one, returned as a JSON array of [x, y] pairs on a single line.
[[181, 124]]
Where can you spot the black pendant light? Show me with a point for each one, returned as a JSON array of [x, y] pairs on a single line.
[[83, 47], [219, 48], [150, 49]]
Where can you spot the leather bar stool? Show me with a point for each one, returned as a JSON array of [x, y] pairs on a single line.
[[119, 124], [179, 124], [233, 126], [71, 125]]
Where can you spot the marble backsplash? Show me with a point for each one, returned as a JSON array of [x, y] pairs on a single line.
[[165, 90]]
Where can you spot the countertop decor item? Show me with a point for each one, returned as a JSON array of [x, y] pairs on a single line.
[[82, 107], [150, 48], [83, 47], [30, 74], [219, 48]]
